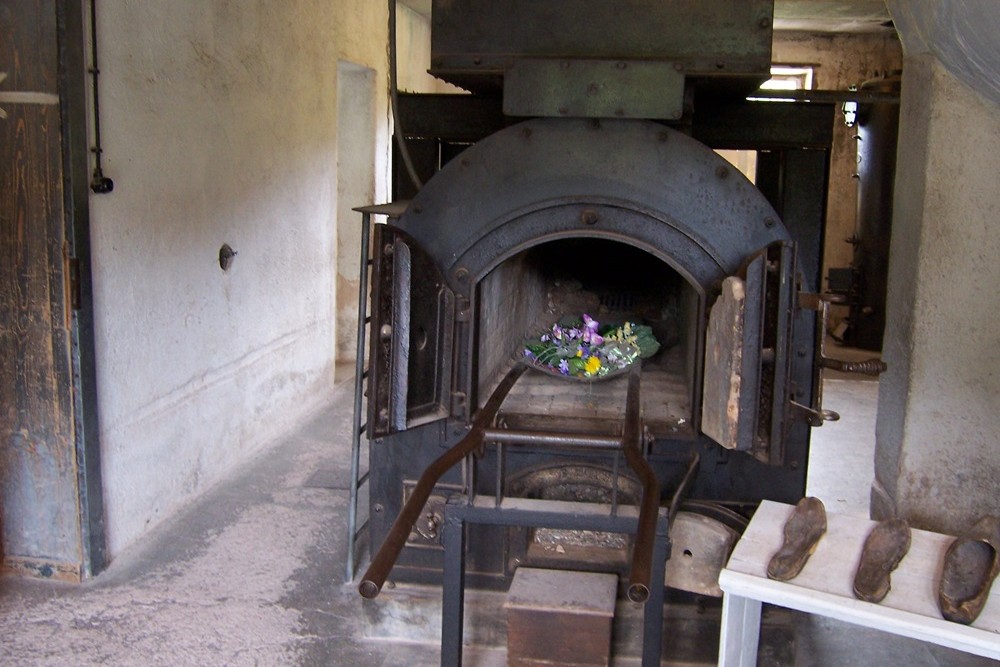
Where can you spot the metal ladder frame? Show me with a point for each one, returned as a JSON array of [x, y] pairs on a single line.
[[360, 427]]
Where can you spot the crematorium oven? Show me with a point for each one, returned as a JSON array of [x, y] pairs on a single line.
[[579, 178]]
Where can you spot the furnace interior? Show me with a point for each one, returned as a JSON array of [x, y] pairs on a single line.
[[612, 282]]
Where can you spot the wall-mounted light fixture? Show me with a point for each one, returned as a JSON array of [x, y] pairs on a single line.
[[850, 110]]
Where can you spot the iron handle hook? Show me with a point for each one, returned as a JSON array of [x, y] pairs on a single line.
[[815, 415]]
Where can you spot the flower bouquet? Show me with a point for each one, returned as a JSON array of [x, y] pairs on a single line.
[[581, 349]]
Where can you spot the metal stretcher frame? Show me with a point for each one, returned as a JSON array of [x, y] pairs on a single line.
[[648, 522]]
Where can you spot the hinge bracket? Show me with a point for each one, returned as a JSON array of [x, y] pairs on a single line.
[[74, 283]]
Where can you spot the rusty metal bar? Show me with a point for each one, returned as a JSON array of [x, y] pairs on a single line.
[[551, 440], [501, 472], [615, 468], [649, 505], [387, 554], [682, 488]]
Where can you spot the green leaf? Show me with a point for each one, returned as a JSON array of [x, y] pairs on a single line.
[[645, 341], [606, 329]]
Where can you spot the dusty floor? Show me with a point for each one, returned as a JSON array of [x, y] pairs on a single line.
[[252, 574]]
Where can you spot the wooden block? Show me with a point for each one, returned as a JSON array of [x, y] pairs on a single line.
[[722, 386], [560, 617]]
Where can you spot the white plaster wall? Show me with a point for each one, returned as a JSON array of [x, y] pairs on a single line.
[[219, 125], [840, 61], [937, 432], [355, 187]]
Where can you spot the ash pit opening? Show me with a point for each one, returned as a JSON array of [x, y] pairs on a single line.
[[575, 481]]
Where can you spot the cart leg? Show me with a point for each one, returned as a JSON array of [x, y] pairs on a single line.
[[652, 631], [453, 600], [740, 631]]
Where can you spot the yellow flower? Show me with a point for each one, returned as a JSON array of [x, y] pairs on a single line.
[[579, 353], [592, 365]]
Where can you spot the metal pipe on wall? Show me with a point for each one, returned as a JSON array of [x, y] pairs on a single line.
[[100, 183]]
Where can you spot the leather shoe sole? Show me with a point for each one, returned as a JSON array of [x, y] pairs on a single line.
[[971, 563], [884, 547], [802, 533]]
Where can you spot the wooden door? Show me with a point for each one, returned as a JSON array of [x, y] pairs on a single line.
[[746, 395], [41, 516]]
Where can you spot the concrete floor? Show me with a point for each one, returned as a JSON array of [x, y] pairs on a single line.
[[252, 574]]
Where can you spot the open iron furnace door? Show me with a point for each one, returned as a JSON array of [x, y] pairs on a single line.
[[746, 400], [413, 317]]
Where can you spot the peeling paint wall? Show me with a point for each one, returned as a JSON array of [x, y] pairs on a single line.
[[840, 61], [219, 124]]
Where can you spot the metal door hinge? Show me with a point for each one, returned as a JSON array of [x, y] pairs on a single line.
[[458, 403], [74, 283], [463, 310]]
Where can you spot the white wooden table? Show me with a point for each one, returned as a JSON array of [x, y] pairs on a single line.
[[824, 587]]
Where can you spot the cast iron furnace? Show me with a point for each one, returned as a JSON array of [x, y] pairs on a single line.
[[579, 176]]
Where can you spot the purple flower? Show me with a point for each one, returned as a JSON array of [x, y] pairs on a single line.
[[557, 332], [564, 367], [529, 354], [590, 323]]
